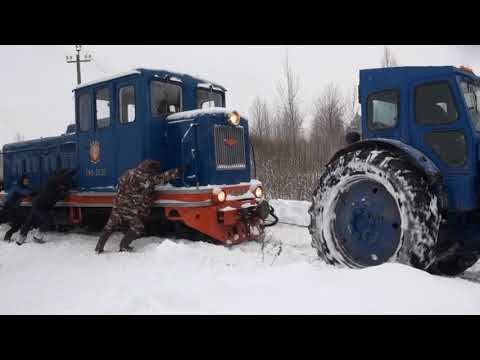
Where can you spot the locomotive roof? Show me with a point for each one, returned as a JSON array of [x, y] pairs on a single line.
[[42, 143], [173, 76]]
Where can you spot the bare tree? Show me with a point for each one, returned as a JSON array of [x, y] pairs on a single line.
[[352, 109], [288, 116], [328, 128], [261, 119], [388, 59]]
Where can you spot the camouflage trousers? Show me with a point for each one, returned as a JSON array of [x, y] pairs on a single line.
[[120, 220]]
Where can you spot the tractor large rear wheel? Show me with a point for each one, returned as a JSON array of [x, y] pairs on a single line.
[[453, 265], [372, 207]]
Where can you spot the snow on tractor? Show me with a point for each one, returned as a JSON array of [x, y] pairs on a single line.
[[175, 118], [407, 189]]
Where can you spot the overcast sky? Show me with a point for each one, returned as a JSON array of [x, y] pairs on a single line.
[[36, 82]]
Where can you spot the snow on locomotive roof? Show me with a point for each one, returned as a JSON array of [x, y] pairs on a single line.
[[194, 113], [174, 76], [207, 85], [108, 78], [201, 82]]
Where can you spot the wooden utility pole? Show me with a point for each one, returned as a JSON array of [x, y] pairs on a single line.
[[86, 58]]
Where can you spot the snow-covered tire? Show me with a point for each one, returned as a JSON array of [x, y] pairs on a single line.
[[387, 173]]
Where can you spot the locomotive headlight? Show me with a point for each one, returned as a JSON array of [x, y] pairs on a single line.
[[233, 118], [258, 192], [219, 195]]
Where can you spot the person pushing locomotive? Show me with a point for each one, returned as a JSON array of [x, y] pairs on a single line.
[[10, 211], [133, 203], [40, 216]]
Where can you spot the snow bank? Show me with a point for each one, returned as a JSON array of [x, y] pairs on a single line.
[[292, 211], [165, 276]]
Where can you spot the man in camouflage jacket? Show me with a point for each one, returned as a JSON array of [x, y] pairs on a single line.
[[133, 203]]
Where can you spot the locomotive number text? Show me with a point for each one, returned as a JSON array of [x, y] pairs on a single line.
[[96, 172]]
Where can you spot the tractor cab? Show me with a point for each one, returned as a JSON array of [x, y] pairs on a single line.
[[435, 110]]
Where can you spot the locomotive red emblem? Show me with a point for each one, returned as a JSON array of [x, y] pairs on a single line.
[[94, 152], [230, 141]]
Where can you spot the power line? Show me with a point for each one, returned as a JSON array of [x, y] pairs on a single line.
[[86, 58]]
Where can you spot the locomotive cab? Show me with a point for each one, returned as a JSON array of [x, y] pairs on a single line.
[[164, 116]]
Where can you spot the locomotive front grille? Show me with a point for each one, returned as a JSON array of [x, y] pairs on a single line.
[[229, 147]]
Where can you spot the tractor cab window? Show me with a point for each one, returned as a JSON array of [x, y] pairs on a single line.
[[434, 104], [102, 105], [165, 98], [471, 94], [207, 98], [450, 146], [383, 110]]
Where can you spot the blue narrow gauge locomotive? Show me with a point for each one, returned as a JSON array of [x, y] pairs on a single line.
[[153, 114]]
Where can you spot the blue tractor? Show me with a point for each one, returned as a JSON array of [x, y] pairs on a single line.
[[407, 189]]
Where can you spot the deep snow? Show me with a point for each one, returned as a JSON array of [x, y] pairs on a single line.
[[164, 276]]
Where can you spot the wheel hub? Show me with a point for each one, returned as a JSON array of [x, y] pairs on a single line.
[[367, 223]]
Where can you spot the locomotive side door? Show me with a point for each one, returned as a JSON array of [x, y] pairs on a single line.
[[85, 135], [128, 126], [102, 147], [96, 141]]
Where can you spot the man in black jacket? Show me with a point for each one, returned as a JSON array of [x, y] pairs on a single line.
[[11, 213], [55, 190]]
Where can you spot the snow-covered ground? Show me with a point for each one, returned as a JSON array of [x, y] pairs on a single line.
[[165, 276]]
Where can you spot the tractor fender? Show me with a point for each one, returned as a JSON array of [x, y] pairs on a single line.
[[419, 160]]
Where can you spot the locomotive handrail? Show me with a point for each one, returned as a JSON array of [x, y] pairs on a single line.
[[194, 150]]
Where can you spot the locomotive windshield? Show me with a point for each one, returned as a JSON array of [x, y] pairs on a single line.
[[471, 93], [209, 98], [165, 98]]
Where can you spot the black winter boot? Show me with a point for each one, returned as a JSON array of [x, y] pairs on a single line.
[[21, 239], [38, 237], [102, 241], [8, 235], [127, 240]]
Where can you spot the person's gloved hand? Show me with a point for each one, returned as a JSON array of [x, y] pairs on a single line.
[[179, 173]]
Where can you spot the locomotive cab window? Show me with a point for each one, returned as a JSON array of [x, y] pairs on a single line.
[[102, 106], [126, 104], [165, 98], [208, 98], [383, 110], [85, 112], [434, 104]]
